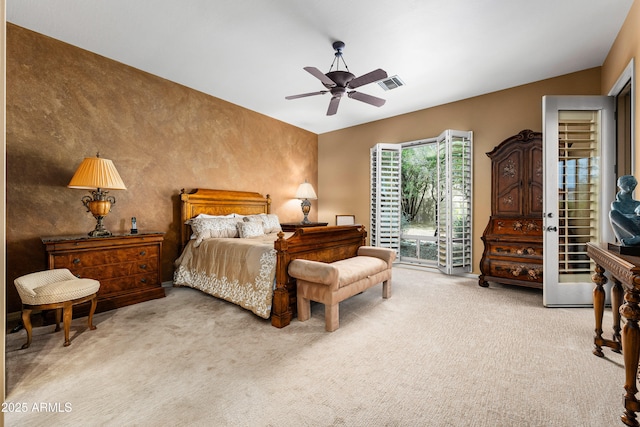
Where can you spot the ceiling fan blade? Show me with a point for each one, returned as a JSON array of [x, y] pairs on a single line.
[[333, 105], [365, 79], [320, 76], [369, 99], [302, 95]]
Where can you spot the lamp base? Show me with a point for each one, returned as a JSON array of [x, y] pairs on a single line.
[[306, 207], [99, 205], [99, 231]]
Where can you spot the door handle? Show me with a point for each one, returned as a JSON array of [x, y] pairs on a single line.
[[551, 228]]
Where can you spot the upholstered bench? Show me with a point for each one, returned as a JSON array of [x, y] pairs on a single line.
[[331, 283]]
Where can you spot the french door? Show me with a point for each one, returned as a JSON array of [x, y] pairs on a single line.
[[449, 247], [579, 185]]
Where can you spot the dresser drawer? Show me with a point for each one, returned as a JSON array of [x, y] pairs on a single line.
[[516, 227], [81, 259], [123, 269], [112, 287], [513, 269], [524, 251]]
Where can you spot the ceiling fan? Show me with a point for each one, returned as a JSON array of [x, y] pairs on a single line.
[[340, 82]]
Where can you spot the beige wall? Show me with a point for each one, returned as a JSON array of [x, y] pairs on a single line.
[[64, 103], [343, 182]]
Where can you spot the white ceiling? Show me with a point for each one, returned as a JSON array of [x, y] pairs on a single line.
[[252, 52]]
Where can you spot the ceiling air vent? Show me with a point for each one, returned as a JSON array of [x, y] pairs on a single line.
[[392, 82]]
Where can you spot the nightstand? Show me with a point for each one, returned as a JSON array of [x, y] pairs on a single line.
[[293, 226], [128, 266]]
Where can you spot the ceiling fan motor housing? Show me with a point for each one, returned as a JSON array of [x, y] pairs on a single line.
[[341, 78]]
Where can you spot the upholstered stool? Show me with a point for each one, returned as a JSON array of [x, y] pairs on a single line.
[[55, 289]]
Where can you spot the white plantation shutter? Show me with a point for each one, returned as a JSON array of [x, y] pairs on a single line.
[[454, 223], [386, 212]]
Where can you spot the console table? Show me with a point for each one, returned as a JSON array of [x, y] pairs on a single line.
[[625, 272]]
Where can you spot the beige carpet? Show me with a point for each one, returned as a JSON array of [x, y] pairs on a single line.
[[441, 352]]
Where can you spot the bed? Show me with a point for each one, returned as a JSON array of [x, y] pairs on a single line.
[[252, 272]]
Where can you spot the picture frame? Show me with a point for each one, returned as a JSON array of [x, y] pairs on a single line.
[[345, 219]]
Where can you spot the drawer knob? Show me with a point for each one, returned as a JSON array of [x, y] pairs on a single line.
[[143, 266], [143, 253], [76, 260], [143, 280]]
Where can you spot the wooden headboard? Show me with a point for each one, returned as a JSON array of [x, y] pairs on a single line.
[[218, 202]]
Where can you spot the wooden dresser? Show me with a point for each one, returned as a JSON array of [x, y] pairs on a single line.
[[128, 266], [513, 237]]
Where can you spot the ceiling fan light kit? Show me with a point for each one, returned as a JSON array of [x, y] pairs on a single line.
[[340, 82]]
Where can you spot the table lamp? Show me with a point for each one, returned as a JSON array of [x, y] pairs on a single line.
[[97, 175], [305, 193]]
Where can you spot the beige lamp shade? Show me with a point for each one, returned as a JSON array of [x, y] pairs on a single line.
[[305, 191], [96, 172]]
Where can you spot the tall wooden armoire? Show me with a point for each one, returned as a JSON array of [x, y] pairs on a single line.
[[513, 237]]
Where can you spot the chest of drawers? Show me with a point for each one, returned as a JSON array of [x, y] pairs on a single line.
[[513, 237], [128, 266]]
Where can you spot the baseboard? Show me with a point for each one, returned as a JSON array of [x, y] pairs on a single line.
[[168, 284], [14, 317]]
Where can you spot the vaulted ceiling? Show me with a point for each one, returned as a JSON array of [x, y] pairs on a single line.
[[252, 52]]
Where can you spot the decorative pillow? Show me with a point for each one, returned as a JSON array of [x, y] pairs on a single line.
[[207, 228], [270, 222], [252, 218], [250, 229]]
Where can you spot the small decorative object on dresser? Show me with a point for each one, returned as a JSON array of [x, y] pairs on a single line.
[[513, 237], [127, 266], [345, 219]]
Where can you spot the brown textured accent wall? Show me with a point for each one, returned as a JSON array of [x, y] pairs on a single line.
[[64, 104]]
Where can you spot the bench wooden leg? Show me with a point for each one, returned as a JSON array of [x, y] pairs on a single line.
[[386, 289], [332, 317], [304, 308]]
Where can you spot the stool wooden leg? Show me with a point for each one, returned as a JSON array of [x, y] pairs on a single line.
[[67, 314], [26, 321], [94, 303], [58, 313]]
